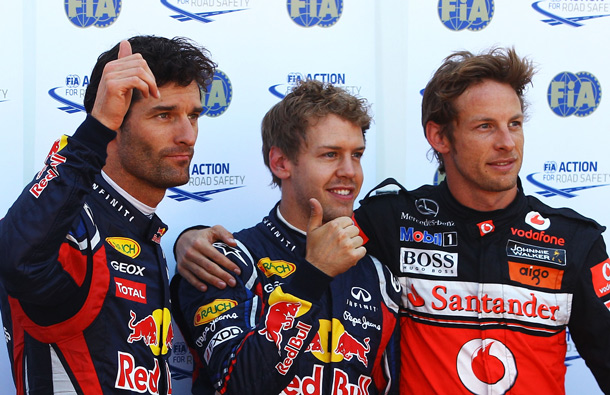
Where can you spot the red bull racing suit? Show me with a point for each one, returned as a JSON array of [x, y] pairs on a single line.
[[487, 296], [287, 328], [85, 288]]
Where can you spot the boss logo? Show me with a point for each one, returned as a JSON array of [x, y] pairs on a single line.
[[432, 262]]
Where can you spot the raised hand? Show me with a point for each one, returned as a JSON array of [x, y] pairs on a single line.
[[119, 78], [335, 246]]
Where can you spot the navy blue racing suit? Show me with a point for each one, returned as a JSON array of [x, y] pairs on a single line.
[[84, 283], [287, 328]]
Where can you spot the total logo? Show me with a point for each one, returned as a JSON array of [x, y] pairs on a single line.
[[98, 13], [191, 10], [577, 94], [307, 13], [292, 79], [486, 366], [571, 13], [466, 14]]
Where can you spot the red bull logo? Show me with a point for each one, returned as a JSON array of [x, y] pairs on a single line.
[[349, 347], [293, 347], [155, 330], [315, 345], [312, 385], [52, 161], [279, 318], [137, 378]]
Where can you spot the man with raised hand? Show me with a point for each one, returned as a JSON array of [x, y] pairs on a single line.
[[84, 283], [311, 312]]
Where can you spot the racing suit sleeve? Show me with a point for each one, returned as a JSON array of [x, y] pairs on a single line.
[[590, 320], [34, 228], [248, 344]]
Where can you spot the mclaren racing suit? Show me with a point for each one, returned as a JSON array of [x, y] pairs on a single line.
[[487, 296], [85, 288], [287, 328]]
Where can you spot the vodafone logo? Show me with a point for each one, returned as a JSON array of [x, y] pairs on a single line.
[[606, 270], [486, 366], [537, 221], [486, 227]]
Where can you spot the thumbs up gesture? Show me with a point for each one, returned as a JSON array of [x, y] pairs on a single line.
[[129, 71], [335, 246]]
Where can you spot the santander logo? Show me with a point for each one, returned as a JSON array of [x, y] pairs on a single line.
[[537, 221]]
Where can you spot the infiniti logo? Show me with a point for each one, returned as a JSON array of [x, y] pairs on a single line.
[[427, 206], [361, 294]]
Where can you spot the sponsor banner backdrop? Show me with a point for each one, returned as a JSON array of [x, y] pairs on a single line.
[[384, 51]]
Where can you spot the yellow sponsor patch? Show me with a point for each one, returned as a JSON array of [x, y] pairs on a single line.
[[212, 310], [125, 246], [278, 268]]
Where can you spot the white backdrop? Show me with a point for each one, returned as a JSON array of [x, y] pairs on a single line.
[[382, 50]]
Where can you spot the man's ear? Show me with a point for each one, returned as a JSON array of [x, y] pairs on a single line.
[[279, 163], [437, 138]]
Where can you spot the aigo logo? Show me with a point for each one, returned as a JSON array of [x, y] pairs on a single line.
[[486, 364]]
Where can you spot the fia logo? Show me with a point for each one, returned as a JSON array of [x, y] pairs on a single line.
[[218, 96], [466, 14], [307, 13], [99, 13], [574, 94]]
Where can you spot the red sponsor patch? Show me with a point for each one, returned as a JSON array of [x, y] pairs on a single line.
[[486, 227], [537, 276], [130, 290], [600, 274]]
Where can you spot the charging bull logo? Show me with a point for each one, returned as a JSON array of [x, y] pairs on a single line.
[[154, 330], [349, 347], [279, 318], [315, 345]]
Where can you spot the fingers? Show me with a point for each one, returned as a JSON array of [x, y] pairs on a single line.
[[316, 214], [124, 49], [221, 234]]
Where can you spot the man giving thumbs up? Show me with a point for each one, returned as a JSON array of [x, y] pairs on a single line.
[[311, 312]]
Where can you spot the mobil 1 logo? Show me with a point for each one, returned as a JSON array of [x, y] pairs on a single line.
[[429, 262]]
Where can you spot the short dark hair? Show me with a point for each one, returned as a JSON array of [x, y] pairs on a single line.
[[178, 60], [461, 70], [285, 124]]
